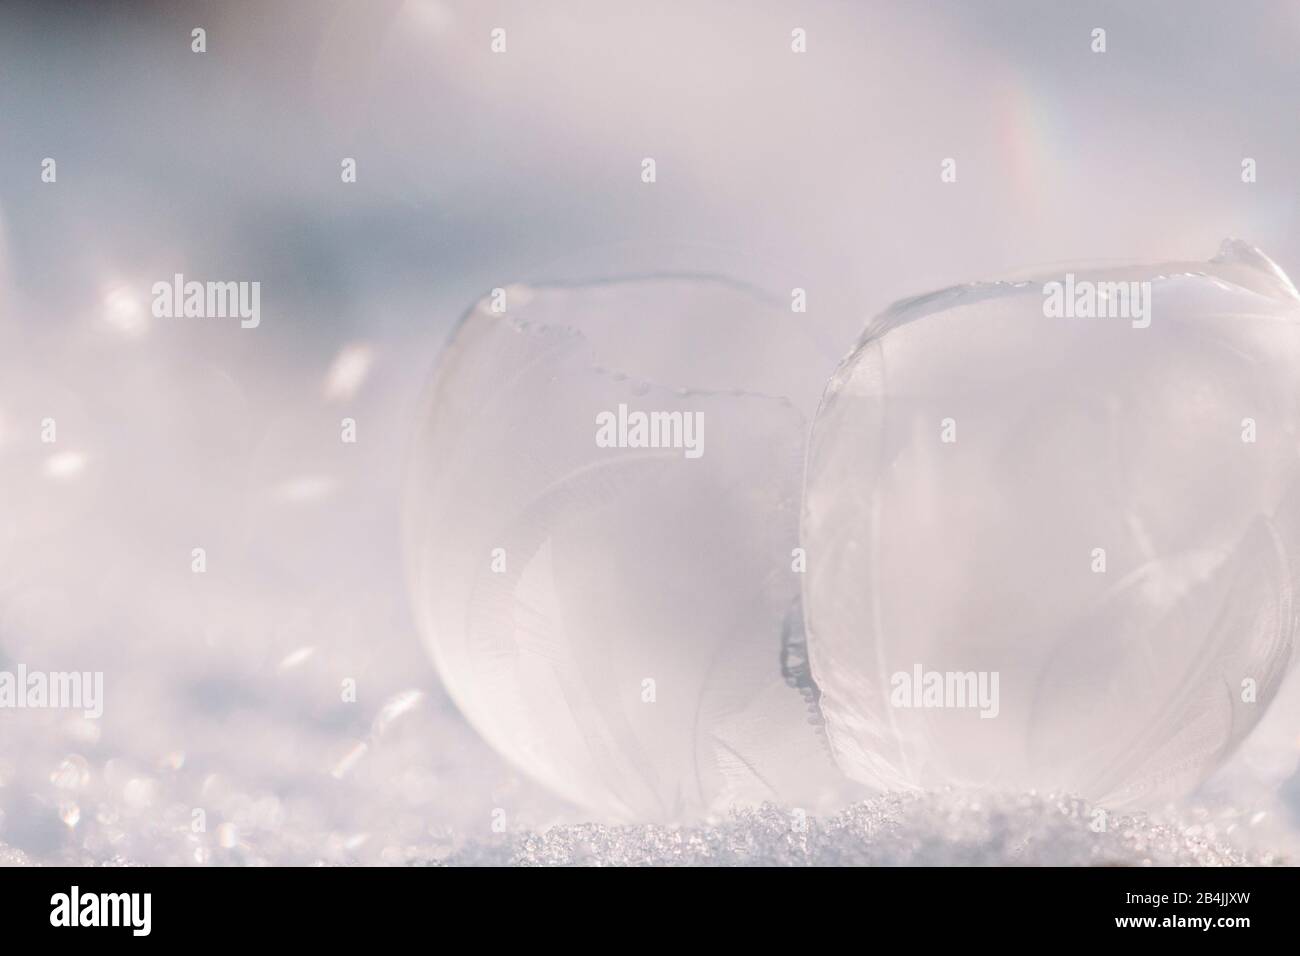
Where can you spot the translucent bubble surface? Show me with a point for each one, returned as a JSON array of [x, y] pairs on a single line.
[[1051, 543], [616, 614]]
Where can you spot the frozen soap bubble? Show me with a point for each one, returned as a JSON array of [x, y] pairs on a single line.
[[1057, 551], [614, 608]]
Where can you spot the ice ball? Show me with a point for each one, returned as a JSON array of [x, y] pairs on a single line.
[[1053, 526], [602, 519]]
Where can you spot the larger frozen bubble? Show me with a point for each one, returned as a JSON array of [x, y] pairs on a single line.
[[602, 516], [1052, 529]]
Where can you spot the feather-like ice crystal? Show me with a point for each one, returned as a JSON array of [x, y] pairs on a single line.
[[1053, 526], [603, 518]]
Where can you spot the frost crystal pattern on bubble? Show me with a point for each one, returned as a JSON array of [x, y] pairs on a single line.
[[1095, 514], [615, 619]]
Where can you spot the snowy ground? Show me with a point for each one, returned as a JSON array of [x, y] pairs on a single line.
[[942, 829]]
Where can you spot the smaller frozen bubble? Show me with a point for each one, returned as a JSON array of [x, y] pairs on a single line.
[[619, 615], [1051, 544]]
